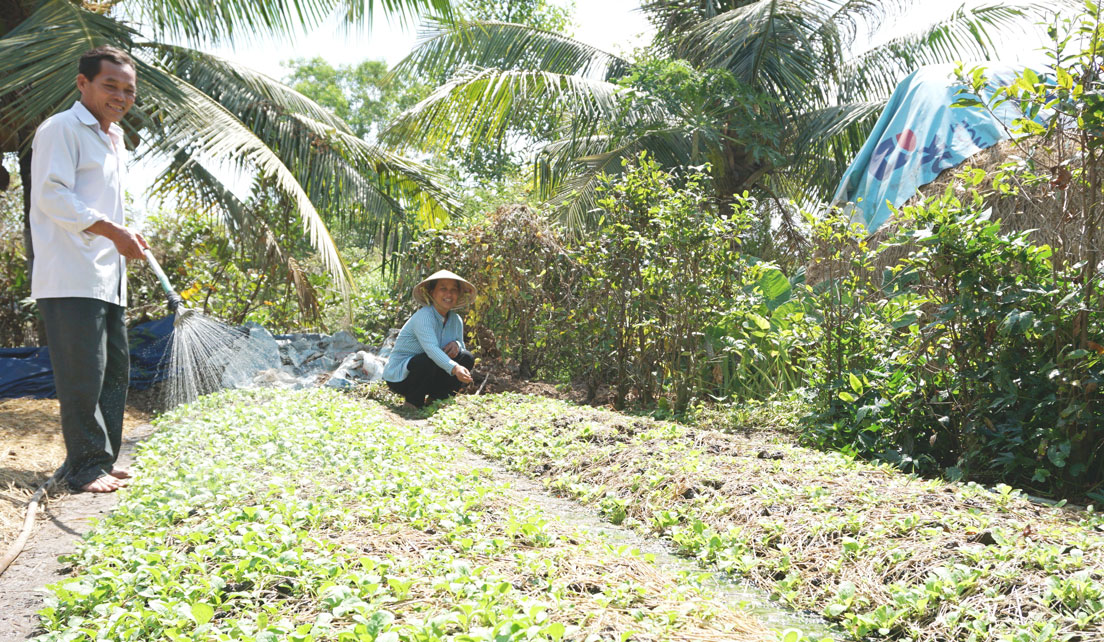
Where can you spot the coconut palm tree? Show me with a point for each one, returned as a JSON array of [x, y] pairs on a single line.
[[766, 91], [200, 112]]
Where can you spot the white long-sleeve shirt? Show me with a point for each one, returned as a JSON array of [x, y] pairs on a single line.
[[77, 175]]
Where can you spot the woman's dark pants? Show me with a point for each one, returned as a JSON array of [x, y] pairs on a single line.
[[427, 379], [91, 364]]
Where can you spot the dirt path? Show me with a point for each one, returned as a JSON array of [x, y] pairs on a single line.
[[65, 520]]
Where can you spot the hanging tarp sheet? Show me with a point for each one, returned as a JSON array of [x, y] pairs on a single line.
[[26, 372], [918, 136]]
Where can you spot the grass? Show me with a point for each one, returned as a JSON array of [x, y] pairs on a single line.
[[316, 516], [882, 554]]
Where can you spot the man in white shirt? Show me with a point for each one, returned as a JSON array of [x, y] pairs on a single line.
[[80, 245]]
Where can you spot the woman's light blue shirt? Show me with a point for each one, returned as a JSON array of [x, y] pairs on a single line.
[[426, 331]]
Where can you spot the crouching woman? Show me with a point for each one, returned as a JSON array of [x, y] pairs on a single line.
[[429, 359]]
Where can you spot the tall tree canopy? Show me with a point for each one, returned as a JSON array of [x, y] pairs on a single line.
[[365, 95], [766, 91]]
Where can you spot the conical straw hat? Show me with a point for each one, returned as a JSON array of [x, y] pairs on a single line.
[[467, 294]]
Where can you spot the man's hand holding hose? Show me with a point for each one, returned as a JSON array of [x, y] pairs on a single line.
[[129, 243]]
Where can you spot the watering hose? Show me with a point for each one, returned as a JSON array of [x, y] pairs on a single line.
[[174, 299], [28, 522]]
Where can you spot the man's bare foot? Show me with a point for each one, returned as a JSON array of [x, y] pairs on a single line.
[[121, 473], [103, 484]]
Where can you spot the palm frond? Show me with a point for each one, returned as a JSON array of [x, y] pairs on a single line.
[[179, 116], [962, 36], [191, 185], [446, 47], [769, 44], [829, 139], [851, 18], [483, 106], [201, 22], [677, 16], [388, 180], [250, 94], [311, 141]]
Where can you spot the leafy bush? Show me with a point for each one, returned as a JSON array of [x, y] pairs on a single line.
[[657, 304], [979, 353], [218, 273], [964, 358], [662, 269], [16, 317]]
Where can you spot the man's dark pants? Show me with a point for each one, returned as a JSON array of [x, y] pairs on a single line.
[[427, 379], [91, 363]]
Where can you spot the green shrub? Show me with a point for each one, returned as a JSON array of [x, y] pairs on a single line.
[[963, 358], [657, 303], [980, 354], [222, 275]]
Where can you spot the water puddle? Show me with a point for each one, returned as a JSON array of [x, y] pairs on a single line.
[[573, 515]]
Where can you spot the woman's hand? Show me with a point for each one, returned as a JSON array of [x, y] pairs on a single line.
[[461, 373], [452, 349]]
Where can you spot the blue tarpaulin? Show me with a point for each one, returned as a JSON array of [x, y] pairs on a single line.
[[26, 372], [918, 136]]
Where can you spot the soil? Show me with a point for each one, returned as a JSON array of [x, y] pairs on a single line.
[[32, 449]]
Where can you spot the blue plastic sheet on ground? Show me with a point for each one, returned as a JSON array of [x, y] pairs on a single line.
[[918, 135], [26, 372]]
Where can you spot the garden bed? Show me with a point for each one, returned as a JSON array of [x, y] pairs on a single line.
[[312, 515], [881, 553]]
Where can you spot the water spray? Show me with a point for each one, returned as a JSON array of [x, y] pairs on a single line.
[[176, 304]]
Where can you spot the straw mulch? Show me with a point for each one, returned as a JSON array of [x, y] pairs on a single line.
[[585, 570], [794, 505], [31, 449]]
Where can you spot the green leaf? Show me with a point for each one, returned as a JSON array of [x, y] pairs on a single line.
[[1065, 81], [759, 321], [202, 613], [775, 287], [856, 384], [554, 631], [1058, 453], [847, 396]]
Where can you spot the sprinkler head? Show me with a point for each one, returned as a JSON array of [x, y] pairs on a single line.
[[182, 315]]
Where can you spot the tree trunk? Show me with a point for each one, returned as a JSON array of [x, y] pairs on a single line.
[[737, 174]]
